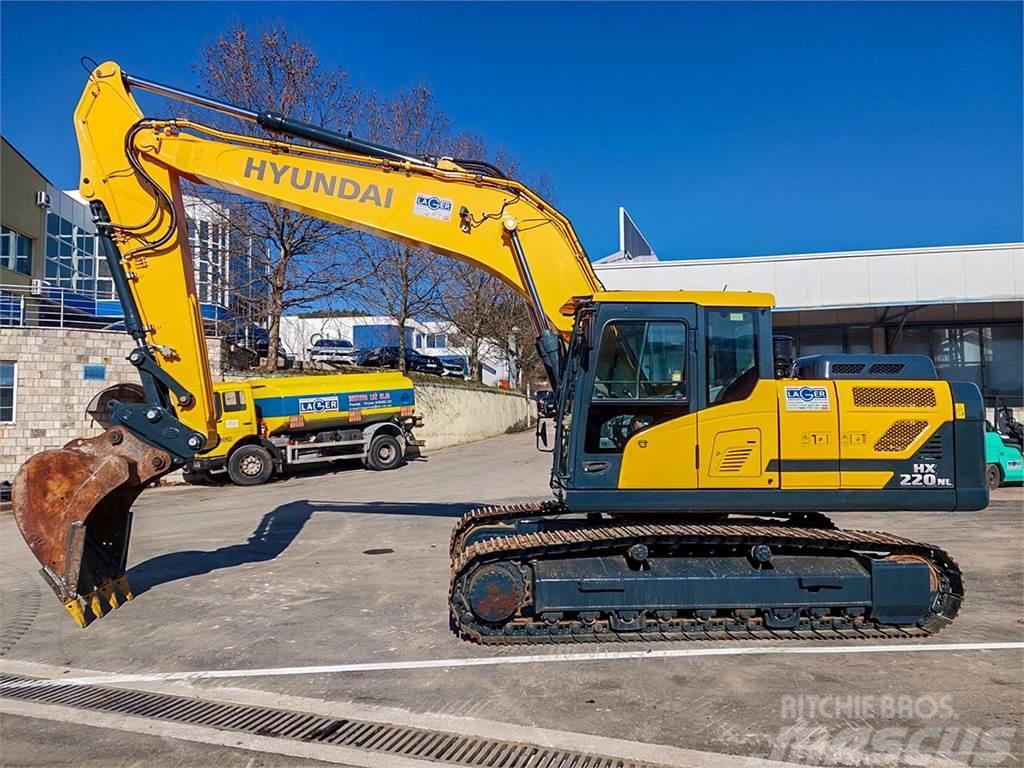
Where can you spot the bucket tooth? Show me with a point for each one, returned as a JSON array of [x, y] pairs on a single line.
[[95, 604], [74, 609], [125, 587], [106, 589]]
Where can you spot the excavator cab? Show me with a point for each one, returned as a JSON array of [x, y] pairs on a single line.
[[670, 402], [651, 378]]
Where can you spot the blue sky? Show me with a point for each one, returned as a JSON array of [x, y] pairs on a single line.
[[725, 129]]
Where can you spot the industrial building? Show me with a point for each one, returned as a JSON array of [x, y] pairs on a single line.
[[960, 305], [62, 342], [50, 264]]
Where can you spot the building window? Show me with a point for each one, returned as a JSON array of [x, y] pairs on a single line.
[[12, 308], [437, 341], [1003, 363], [859, 341], [72, 259], [15, 251], [830, 341], [989, 356], [957, 354], [820, 341], [8, 379], [210, 253]]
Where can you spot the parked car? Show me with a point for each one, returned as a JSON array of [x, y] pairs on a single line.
[[547, 406], [333, 352], [251, 337], [387, 357], [453, 366]]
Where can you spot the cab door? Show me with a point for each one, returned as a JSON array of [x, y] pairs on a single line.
[[738, 425], [638, 429], [237, 414]]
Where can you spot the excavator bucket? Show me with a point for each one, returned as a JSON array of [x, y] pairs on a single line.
[[73, 507]]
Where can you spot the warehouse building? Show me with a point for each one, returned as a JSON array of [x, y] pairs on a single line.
[[960, 305]]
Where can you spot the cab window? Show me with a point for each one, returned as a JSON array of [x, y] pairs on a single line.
[[639, 381], [234, 401], [731, 355], [640, 361]]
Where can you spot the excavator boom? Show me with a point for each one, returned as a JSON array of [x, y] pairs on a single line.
[[73, 504]]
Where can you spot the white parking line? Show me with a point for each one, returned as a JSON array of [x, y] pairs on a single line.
[[487, 661]]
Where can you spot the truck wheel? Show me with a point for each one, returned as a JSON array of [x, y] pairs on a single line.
[[385, 452], [250, 465], [993, 477]]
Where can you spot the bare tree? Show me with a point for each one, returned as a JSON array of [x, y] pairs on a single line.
[[470, 298], [511, 331], [298, 260], [407, 282]]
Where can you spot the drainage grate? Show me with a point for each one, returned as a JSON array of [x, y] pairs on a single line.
[[419, 743]]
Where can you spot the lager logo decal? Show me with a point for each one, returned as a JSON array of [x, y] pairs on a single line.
[[318, 404], [807, 398], [432, 207]]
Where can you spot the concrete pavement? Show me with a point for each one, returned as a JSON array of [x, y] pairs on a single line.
[[351, 567]]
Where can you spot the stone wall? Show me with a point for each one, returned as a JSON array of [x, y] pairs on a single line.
[[453, 415], [52, 393]]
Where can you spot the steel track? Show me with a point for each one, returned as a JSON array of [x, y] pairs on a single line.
[[608, 537]]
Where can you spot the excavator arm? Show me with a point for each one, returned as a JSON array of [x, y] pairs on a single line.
[[73, 504]]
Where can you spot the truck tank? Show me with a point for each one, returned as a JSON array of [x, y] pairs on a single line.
[[301, 403]]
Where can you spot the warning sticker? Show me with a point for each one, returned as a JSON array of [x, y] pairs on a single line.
[[807, 399], [432, 207]]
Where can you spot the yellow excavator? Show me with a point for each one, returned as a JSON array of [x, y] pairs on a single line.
[[690, 484]]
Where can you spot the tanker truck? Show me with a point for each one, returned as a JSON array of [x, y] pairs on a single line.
[[269, 425]]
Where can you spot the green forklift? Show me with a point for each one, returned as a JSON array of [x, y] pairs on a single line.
[[1004, 442]]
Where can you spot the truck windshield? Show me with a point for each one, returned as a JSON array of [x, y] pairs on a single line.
[[234, 401]]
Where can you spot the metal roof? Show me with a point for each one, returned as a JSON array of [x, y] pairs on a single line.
[[901, 276]]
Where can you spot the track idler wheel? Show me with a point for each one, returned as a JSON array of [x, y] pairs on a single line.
[[73, 507], [495, 592]]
